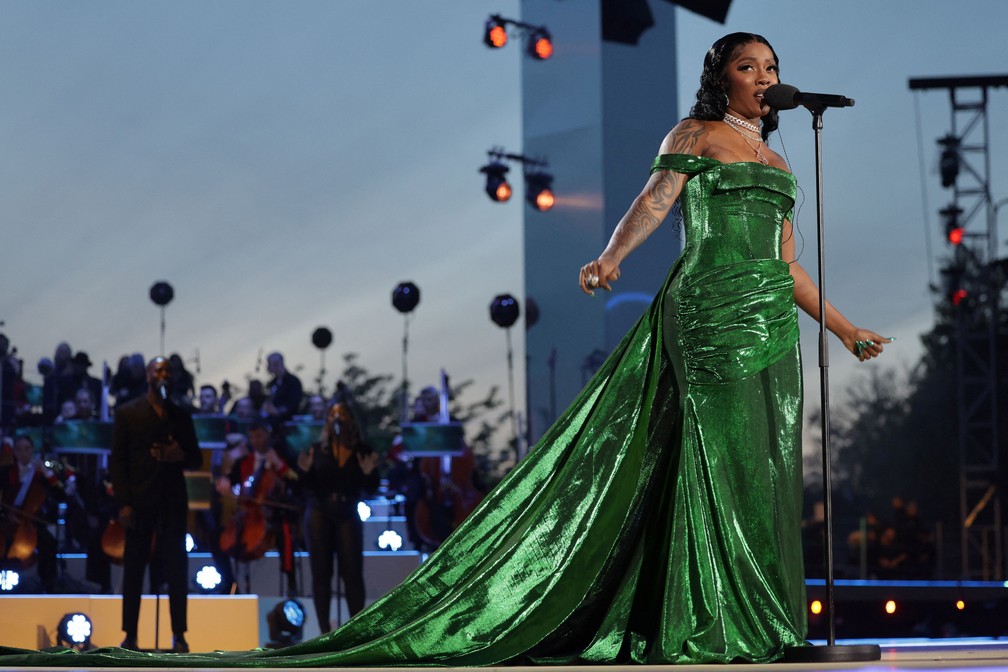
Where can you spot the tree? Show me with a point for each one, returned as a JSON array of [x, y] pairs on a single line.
[[376, 398], [897, 433]]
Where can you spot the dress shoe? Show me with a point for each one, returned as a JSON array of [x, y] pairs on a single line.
[[129, 644], [179, 645]]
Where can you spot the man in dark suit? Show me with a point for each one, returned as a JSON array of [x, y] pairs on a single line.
[[153, 441]]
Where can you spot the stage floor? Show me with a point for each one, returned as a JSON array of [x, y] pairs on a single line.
[[946, 654]]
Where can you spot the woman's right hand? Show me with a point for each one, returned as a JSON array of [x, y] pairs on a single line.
[[598, 273]]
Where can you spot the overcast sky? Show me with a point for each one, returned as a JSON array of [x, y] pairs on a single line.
[[284, 164]]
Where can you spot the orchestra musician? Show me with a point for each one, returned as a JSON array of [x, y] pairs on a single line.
[[25, 487], [261, 477], [337, 472], [285, 390], [153, 442]]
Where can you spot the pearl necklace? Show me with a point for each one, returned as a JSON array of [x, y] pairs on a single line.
[[732, 119], [745, 138]]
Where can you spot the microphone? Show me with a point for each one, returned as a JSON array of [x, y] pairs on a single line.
[[787, 97], [162, 391]]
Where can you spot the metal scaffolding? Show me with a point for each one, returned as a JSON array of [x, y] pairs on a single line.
[[966, 169]]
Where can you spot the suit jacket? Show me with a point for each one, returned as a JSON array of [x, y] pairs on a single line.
[[137, 478]]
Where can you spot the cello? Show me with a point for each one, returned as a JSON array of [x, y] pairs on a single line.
[[451, 495], [18, 526], [248, 535]]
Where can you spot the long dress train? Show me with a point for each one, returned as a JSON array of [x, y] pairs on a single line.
[[657, 521]]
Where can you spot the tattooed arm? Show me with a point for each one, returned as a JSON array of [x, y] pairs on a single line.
[[647, 210]]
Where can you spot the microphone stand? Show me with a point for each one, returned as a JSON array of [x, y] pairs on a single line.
[[831, 653]]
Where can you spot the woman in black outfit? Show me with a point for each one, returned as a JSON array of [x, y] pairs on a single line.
[[337, 471]]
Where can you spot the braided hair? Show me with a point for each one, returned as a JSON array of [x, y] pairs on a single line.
[[712, 96]]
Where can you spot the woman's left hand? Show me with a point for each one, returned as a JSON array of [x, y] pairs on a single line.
[[865, 344]]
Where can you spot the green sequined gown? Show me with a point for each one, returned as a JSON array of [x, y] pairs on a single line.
[[658, 520]]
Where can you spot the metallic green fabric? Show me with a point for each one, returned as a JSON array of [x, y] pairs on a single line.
[[658, 520]]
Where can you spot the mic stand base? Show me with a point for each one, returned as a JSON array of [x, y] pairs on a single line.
[[849, 653]]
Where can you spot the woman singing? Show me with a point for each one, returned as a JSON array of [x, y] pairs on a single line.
[[658, 520], [338, 471]]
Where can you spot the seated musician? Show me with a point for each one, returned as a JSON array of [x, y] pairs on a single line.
[[261, 457], [208, 402], [27, 486]]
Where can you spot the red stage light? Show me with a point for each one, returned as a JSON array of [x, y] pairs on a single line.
[[496, 36], [503, 192], [542, 48], [544, 200]]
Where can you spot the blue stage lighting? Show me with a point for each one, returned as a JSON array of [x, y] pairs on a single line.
[[286, 623]]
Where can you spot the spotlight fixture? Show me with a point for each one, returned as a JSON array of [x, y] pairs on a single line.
[[74, 631], [538, 183], [363, 511], [208, 579], [497, 186], [389, 540], [286, 623], [954, 231], [495, 34], [948, 164], [955, 289], [9, 579], [540, 44], [538, 41], [537, 190]]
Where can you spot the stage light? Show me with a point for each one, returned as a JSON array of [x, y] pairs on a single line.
[[540, 44], [74, 631], [389, 541], [363, 511], [954, 232], [190, 543], [948, 164], [286, 623], [208, 578], [952, 276], [960, 605], [9, 579], [538, 183], [816, 607], [538, 40], [538, 192], [497, 187], [495, 35], [890, 607]]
